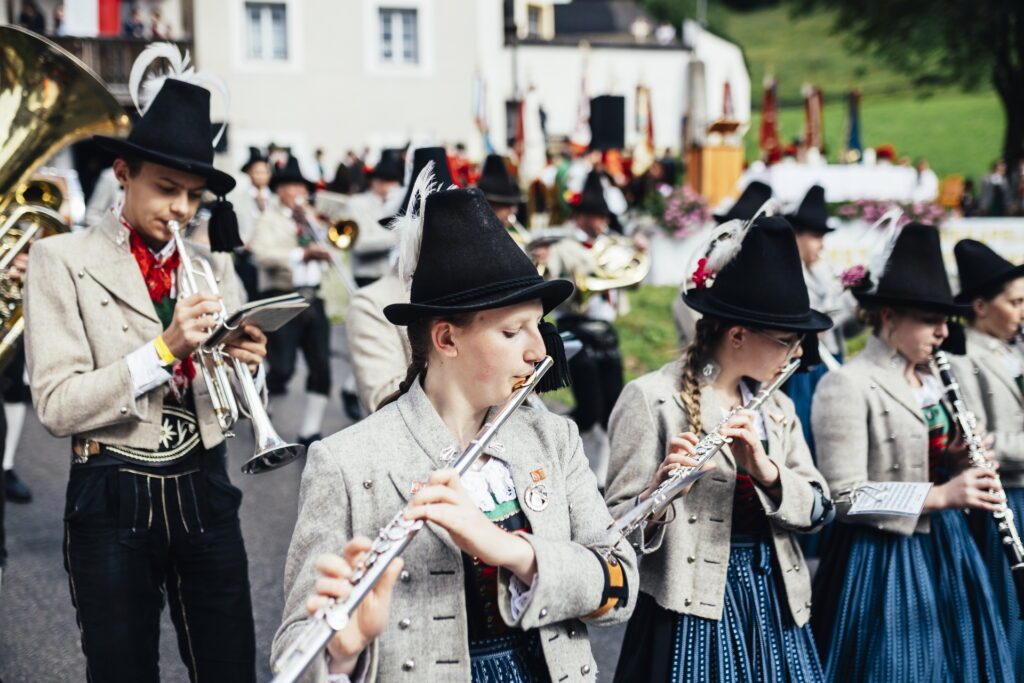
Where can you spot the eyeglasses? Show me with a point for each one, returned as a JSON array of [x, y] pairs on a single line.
[[791, 346]]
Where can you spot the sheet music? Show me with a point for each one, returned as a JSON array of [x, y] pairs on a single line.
[[904, 498]]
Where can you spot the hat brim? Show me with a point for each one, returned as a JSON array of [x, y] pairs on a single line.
[[551, 293], [217, 181], [277, 182], [703, 301], [507, 199], [804, 226], [949, 307], [966, 296]]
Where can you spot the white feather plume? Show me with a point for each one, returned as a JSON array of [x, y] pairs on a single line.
[[410, 224], [881, 250], [144, 89]]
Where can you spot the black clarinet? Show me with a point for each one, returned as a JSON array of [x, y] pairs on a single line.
[[1008, 536]]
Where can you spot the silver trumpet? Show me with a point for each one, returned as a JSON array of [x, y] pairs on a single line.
[[389, 544], [271, 450], [654, 505]]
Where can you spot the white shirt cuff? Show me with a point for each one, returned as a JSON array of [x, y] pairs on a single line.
[[146, 369], [519, 595], [358, 676]]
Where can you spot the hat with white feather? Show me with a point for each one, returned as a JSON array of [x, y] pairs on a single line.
[[174, 129]]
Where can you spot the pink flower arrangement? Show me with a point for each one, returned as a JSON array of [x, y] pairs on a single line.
[[870, 210], [686, 212], [853, 277]]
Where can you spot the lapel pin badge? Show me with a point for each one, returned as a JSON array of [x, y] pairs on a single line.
[[537, 496]]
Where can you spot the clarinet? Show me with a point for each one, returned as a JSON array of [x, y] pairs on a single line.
[[388, 545], [1008, 535], [654, 505]]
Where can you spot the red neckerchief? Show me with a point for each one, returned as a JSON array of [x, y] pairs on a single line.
[[159, 278]]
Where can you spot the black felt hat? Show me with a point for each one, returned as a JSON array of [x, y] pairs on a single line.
[[289, 173], [389, 167], [420, 158], [753, 198], [255, 156], [468, 262], [763, 284], [913, 276], [174, 132], [812, 214], [497, 183], [981, 269], [592, 197]]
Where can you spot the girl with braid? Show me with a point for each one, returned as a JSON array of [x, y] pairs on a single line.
[[724, 590], [516, 561]]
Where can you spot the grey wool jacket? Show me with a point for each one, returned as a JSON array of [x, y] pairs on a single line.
[[356, 480], [869, 427], [992, 394], [86, 308], [686, 562]]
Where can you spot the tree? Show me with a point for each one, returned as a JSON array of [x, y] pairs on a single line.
[[968, 43]]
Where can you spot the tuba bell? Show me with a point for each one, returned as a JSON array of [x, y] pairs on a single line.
[[617, 263], [48, 99]]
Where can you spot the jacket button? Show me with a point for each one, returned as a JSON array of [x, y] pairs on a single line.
[[543, 612], [807, 604], [895, 466], [692, 519], [585, 669], [104, 302], [367, 484], [404, 624], [892, 437], [572, 633], [691, 559], [404, 576], [124, 410], [796, 567], [124, 328], [81, 274], [687, 602], [408, 665]]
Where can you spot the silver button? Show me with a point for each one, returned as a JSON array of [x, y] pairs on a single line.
[[807, 604], [367, 484], [796, 567], [124, 328], [691, 559], [572, 633], [895, 466], [404, 624], [408, 665], [892, 437], [104, 302], [124, 410], [692, 519], [585, 669], [687, 602], [543, 612], [404, 577], [81, 274]]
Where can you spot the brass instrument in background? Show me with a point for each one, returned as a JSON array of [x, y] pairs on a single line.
[[48, 99], [343, 233], [617, 263]]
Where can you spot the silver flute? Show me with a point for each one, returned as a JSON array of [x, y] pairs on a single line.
[[389, 544], [652, 507]]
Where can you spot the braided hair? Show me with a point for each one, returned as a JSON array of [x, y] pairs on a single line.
[[420, 343], [698, 353]]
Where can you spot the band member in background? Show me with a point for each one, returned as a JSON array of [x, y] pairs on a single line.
[[370, 210], [17, 272], [291, 260], [725, 584], [501, 190], [151, 515], [518, 555], [251, 199], [380, 353], [990, 375], [902, 597]]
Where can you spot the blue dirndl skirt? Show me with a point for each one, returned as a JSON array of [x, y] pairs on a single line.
[[515, 658], [919, 608], [984, 529], [756, 639]]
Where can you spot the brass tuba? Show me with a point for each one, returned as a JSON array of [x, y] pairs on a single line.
[[616, 263], [48, 99]]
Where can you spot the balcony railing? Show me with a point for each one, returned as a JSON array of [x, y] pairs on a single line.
[[111, 58]]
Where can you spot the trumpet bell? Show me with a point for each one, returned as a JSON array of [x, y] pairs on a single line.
[[343, 233], [273, 455]]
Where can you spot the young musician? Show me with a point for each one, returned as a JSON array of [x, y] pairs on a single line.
[[902, 597], [725, 593], [151, 515], [993, 388], [516, 561]]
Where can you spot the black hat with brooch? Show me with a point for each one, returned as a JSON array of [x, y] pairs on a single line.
[[255, 157], [912, 274], [591, 198], [812, 214], [753, 198], [290, 173], [442, 176], [389, 167], [497, 183], [467, 262], [981, 270], [752, 275], [174, 131]]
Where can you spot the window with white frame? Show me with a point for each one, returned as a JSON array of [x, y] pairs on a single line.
[[533, 19], [267, 30], [399, 36]]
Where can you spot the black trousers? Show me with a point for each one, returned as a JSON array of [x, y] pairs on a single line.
[[136, 537], [309, 331], [596, 370]]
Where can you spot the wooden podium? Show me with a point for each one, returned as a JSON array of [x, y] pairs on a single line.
[[713, 171]]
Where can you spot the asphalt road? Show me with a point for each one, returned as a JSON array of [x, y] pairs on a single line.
[[39, 639]]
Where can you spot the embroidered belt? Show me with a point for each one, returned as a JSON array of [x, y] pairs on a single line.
[[179, 436]]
